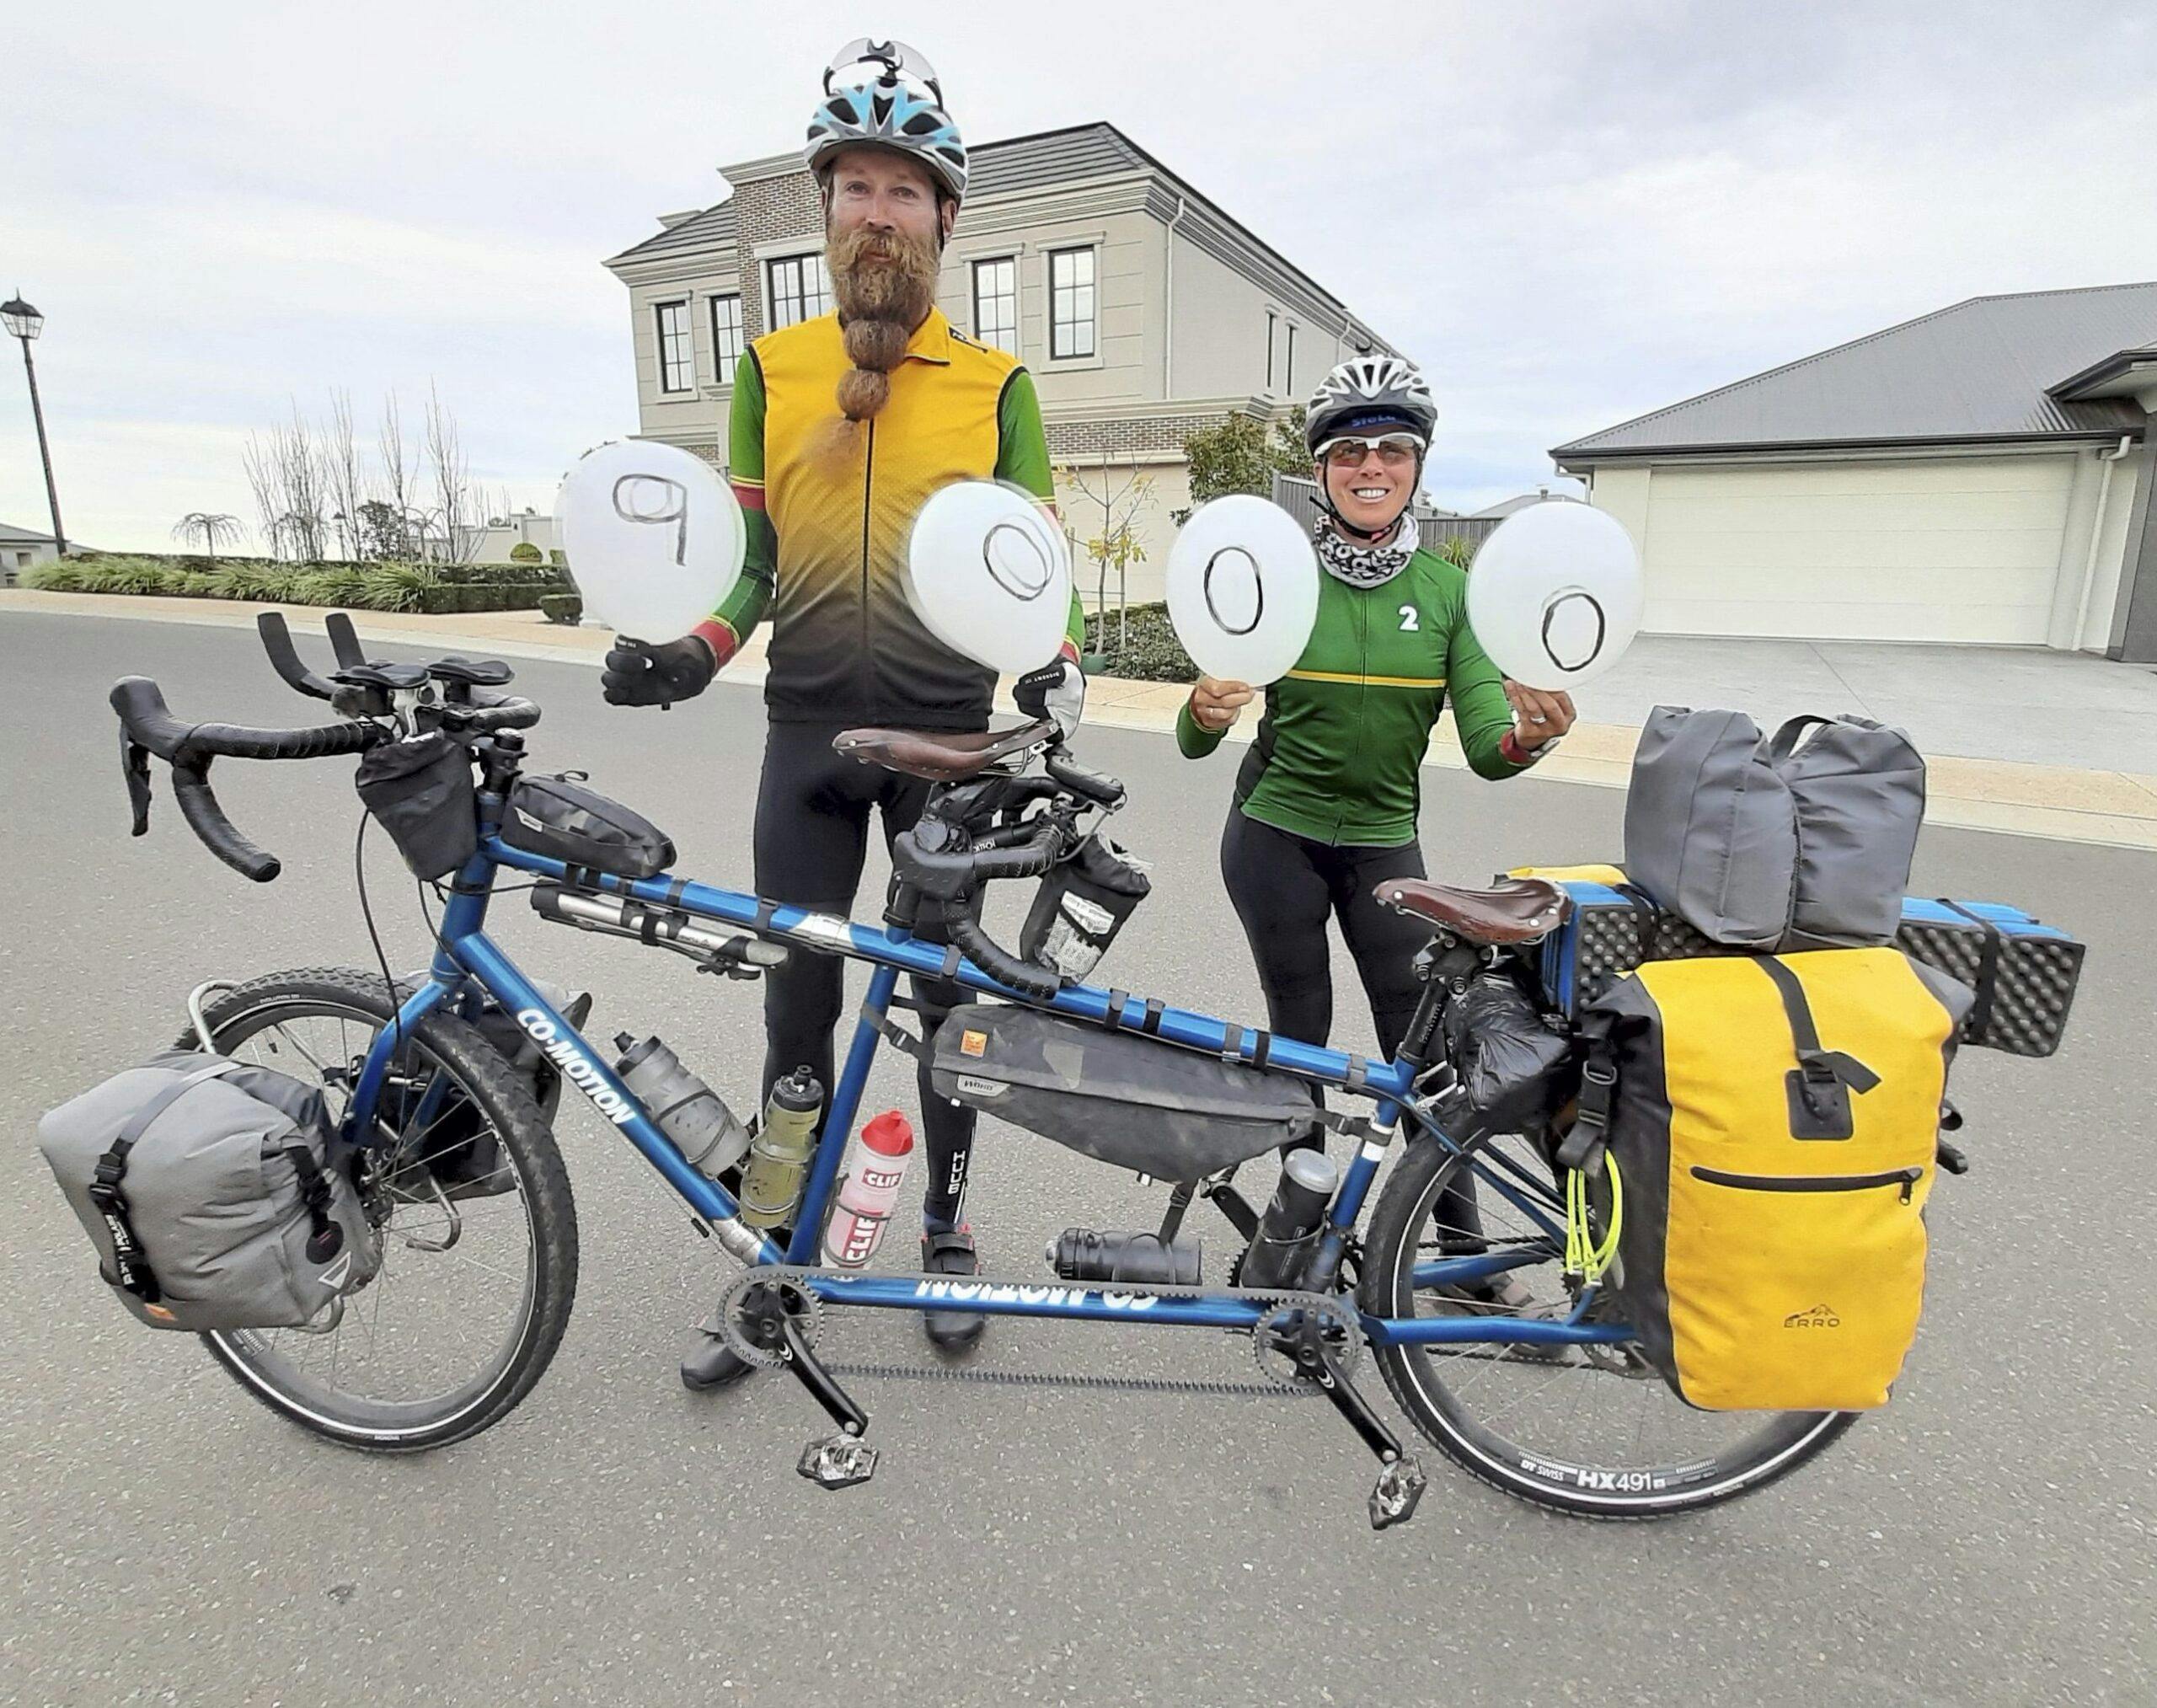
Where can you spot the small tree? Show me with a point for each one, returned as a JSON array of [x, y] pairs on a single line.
[[1242, 455], [212, 528], [1121, 501], [524, 552]]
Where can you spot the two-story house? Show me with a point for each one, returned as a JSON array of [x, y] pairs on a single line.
[[1144, 311]]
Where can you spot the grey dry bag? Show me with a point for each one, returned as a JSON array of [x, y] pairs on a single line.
[[1774, 844], [213, 1193]]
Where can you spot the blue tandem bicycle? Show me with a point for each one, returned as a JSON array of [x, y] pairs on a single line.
[[1458, 1285]]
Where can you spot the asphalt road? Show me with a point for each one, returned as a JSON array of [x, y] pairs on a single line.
[[1987, 1539]]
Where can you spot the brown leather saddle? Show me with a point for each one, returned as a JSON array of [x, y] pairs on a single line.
[[1516, 910], [941, 756]]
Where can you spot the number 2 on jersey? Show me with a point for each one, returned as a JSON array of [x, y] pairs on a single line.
[[1409, 625]]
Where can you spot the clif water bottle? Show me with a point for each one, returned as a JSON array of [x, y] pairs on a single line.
[[778, 1156], [866, 1196]]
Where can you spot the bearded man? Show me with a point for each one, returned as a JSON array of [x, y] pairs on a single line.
[[841, 428]]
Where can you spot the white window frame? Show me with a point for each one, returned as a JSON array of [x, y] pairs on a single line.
[[1092, 354], [802, 260], [973, 288], [687, 336], [723, 363]]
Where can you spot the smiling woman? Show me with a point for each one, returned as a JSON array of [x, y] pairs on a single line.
[[1326, 799]]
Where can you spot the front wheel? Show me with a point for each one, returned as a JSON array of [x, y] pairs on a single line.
[[474, 1287], [1591, 1430]]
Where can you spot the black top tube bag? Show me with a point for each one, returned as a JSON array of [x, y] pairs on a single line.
[[559, 818]]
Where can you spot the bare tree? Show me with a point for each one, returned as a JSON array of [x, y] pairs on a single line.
[[260, 461], [289, 475], [341, 462], [451, 476], [212, 528], [400, 476]]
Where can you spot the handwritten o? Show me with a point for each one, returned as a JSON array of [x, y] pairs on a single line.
[[1253, 589], [1558, 602], [1025, 572]]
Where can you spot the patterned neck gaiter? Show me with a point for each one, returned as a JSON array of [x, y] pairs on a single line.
[[1362, 565]]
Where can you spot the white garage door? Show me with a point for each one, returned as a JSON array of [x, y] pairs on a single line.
[[1951, 549]]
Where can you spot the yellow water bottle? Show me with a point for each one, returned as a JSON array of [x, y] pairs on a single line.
[[778, 1157]]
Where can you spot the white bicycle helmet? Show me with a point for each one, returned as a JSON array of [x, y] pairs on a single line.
[[1367, 393], [892, 101]]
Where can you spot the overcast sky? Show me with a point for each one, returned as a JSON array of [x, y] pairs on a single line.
[[1569, 214]]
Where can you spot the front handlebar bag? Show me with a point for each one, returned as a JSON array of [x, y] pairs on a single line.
[[559, 818], [1080, 907], [214, 1191], [420, 790], [1119, 1097]]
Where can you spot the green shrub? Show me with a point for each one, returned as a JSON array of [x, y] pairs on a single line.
[[195, 584], [562, 607], [125, 575], [337, 585], [56, 578], [524, 552], [1139, 644], [395, 586]]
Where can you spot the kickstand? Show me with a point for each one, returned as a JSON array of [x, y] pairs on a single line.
[[1401, 1482]]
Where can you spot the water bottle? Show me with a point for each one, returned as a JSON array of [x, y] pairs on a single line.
[[687, 1111], [778, 1155], [1291, 1221], [866, 1196]]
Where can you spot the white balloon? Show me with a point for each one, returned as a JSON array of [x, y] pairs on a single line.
[[654, 537], [1243, 589], [1555, 593], [988, 572]]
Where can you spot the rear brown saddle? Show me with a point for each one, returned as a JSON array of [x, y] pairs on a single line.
[[942, 755], [1515, 910]]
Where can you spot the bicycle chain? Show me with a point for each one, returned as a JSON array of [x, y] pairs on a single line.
[[1271, 1301]]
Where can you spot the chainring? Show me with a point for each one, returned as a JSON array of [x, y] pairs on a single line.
[[1340, 1326], [799, 1303]]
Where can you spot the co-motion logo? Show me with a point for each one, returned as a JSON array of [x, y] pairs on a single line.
[[1819, 1317]]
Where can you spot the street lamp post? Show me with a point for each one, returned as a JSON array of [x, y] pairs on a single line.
[[24, 323]]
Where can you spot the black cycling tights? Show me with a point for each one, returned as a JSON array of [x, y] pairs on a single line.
[[1285, 887], [812, 837]]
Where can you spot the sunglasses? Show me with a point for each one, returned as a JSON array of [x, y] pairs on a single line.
[[1395, 450]]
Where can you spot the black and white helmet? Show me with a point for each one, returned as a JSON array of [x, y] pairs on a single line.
[[1370, 394], [884, 94]]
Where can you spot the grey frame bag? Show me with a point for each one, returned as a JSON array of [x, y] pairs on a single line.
[[212, 1191], [1803, 841]]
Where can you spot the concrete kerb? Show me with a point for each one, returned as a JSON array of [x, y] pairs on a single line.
[[2109, 808]]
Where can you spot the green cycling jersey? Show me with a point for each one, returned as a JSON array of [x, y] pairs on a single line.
[[1338, 751]]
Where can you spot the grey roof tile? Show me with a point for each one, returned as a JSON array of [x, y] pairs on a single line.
[[1982, 369]]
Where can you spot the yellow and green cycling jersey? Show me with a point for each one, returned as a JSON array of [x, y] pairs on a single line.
[[1339, 754], [830, 504]]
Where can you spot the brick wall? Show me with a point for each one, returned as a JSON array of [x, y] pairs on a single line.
[[1150, 434], [769, 210]]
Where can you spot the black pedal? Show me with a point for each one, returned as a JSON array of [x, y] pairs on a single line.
[[1142, 1260]]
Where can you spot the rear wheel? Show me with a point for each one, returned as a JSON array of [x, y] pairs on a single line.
[[1589, 1431], [476, 1284]]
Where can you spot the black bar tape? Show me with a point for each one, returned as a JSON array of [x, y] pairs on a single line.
[[1151, 1023], [1263, 1052]]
